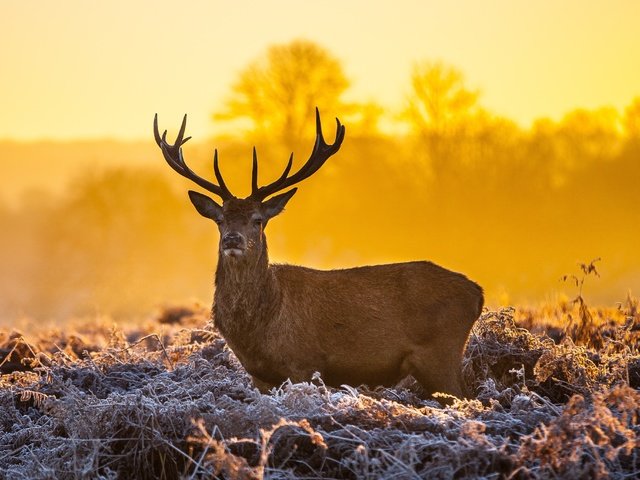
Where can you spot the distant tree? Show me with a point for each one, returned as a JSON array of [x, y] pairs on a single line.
[[110, 243], [439, 99], [631, 120], [580, 139], [440, 110], [587, 135], [278, 92]]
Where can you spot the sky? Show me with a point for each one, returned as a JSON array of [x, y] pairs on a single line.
[[79, 69]]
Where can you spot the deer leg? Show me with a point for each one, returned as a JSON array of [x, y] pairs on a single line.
[[264, 387], [434, 372]]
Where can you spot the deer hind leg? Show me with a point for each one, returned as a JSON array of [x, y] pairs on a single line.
[[437, 372], [264, 387]]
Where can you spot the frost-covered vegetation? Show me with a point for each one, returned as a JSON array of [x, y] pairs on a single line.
[[168, 399]]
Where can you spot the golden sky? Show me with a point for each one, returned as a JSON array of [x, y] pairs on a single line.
[[85, 69]]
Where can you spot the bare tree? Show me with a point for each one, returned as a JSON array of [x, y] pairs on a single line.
[[631, 120], [278, 92], [439, 98], [440, 110]]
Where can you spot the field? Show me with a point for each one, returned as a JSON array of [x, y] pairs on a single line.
[[555, 396], [498, 141]]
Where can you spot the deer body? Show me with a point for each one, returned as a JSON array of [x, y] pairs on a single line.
[[367, 325]]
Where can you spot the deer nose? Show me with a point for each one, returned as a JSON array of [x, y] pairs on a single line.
[[232, 240]]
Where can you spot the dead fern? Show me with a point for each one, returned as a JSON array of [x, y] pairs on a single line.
[[156, 401], [582, 331]]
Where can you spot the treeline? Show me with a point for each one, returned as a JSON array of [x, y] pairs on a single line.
[[514, 208]]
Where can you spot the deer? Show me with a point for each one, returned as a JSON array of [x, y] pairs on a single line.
[[368, 325]]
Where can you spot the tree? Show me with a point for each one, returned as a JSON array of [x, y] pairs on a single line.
[[589, 135], [278, 92], [631, 120], [440, 111], [440, 100], [579, 140]]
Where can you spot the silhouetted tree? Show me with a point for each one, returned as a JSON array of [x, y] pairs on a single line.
[[631, 120], [440, 98], [278, 92], [440, 110], [119, 241], [588, 135], [580, 139]]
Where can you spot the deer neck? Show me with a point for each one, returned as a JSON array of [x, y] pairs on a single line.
[[246, 293]]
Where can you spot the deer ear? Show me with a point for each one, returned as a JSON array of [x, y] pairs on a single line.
[[206, 206], [275, 205]]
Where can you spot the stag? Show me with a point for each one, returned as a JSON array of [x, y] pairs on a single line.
[[371, 325]]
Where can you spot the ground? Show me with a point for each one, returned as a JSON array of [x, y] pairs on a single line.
[[556, 394]]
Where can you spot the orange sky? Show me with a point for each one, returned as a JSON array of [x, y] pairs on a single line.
[[79, 69]]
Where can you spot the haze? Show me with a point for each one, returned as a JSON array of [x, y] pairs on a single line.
[[512, 187]]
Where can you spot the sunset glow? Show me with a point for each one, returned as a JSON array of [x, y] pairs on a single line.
[[400, 242], [75, 69]]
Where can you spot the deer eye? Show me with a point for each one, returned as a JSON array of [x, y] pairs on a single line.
[[257, 222]]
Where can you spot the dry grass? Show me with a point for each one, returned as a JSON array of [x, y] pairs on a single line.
[[169, 400]]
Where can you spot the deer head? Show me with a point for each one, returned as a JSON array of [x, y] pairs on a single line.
[[241, 221]]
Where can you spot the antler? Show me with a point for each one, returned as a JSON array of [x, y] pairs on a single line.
[[321, 152], [173, 156]]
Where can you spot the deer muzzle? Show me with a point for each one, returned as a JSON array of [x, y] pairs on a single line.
[[233, 244]]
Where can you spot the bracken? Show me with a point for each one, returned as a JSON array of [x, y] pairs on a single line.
[[140, 404]]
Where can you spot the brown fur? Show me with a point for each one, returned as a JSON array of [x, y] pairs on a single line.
[[372, 325]]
